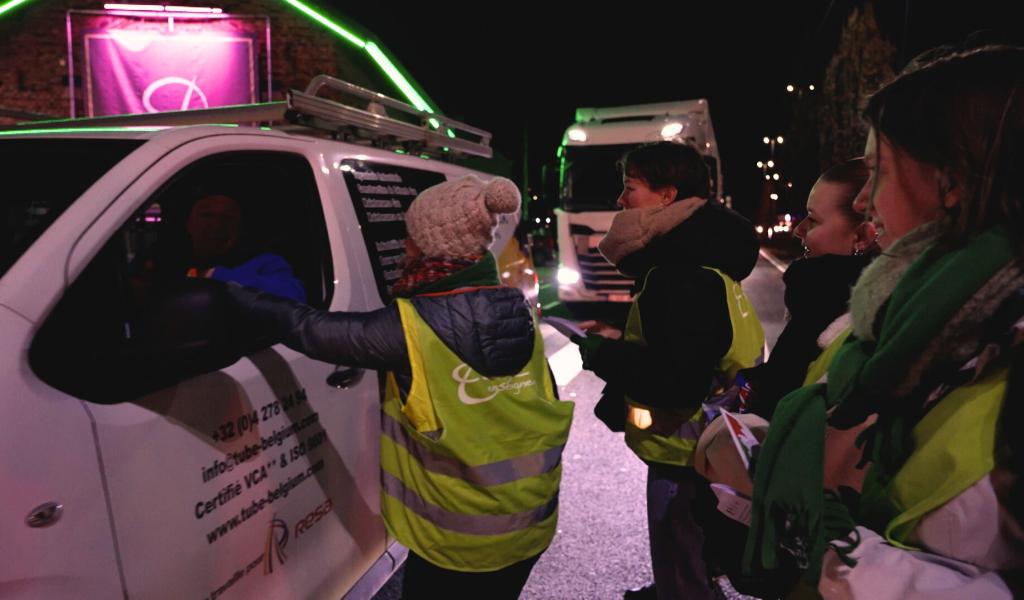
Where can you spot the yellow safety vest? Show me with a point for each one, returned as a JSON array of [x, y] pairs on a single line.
[[470, 465], [819, 366], [668, 436], [954, 448]]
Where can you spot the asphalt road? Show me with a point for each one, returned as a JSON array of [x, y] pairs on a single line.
[[601, 547]]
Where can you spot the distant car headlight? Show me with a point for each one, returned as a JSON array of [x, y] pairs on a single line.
[[567, 276]]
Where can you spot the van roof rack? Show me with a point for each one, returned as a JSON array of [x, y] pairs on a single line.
[[381, 120]]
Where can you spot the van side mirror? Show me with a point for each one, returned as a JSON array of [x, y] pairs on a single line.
[[193, 316], [189, 330], [185, 330], [187, 316]]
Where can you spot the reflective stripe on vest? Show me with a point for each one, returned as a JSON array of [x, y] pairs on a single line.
[[463, 523], [470, 465], [504, 471], [668, 436]]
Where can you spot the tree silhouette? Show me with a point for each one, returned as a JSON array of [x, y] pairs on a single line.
[[862, 63]]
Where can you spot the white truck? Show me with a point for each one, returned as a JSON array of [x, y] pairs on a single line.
[[590, 182], [149, 448]]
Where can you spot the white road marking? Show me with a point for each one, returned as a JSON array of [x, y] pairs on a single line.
[[775, 262], [566, 363]]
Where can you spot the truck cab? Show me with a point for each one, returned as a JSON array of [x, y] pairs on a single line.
[[590, 181], [153, 445]]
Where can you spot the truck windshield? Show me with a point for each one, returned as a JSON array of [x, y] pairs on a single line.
[[592, 179], [51, 174]]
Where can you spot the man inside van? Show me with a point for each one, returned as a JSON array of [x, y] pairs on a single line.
[[214, 228]]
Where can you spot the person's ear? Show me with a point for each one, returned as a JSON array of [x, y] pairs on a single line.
[[864, 236], [950, 191], [668, 194]]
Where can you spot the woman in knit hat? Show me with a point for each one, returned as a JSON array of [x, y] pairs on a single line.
[[690, 329], [472, 430]]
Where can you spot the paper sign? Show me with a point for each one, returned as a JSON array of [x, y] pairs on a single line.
[[732, 504], [564, 326], [744, 439]]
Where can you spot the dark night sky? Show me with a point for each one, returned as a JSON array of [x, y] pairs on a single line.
[[522, 68]]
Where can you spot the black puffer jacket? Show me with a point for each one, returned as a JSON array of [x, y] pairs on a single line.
[[491, 329], [683, 312]]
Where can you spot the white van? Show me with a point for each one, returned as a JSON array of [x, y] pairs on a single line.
[[590, 183], [152, 449]]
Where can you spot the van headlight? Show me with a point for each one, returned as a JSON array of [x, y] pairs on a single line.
[[567, 276]]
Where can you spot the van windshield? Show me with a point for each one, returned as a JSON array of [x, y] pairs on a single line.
[[592, 179], [52, 173]]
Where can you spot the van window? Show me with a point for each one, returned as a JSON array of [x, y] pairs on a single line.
[[381, 193], [52, 173], [122, 329]]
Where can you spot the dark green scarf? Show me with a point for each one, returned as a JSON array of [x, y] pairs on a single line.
[[792, 519], [483, 272]]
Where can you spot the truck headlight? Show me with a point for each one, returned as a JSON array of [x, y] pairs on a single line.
[[567, 276], [577, 135], [671, 130]]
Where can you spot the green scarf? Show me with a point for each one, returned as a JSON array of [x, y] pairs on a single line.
[[484, 272], [790, 511]]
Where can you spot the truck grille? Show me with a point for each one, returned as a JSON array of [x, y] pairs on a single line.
[[598, 274]]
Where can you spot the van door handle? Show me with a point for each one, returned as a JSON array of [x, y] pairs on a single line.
[[344, 378], [45, 515]]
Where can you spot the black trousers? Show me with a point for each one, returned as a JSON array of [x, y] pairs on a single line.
[[431, 582]]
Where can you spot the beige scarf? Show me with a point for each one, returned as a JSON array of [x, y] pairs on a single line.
[[879, 279], [634, 228]]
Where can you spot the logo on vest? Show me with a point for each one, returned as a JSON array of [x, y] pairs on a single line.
[[737, 293], [464, 375]]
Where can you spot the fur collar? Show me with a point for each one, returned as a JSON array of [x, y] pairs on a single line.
[[634, 228], [879, 278]]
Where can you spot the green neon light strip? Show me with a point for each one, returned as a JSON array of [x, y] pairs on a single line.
[[378, 57], [9, 5], [392, 71], [319, 18], [128, 128], [79, 130]]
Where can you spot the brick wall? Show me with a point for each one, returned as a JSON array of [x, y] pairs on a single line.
[[34, 53]]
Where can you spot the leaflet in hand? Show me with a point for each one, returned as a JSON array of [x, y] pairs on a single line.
[[743, 438], [732, 503], [564, 326]]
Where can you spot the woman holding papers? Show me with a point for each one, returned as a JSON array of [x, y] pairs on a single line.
[[690, 328]]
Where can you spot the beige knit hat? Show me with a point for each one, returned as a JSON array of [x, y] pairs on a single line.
[[456, 219]]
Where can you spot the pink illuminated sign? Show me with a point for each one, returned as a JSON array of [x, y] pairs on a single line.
[[137, 71]]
